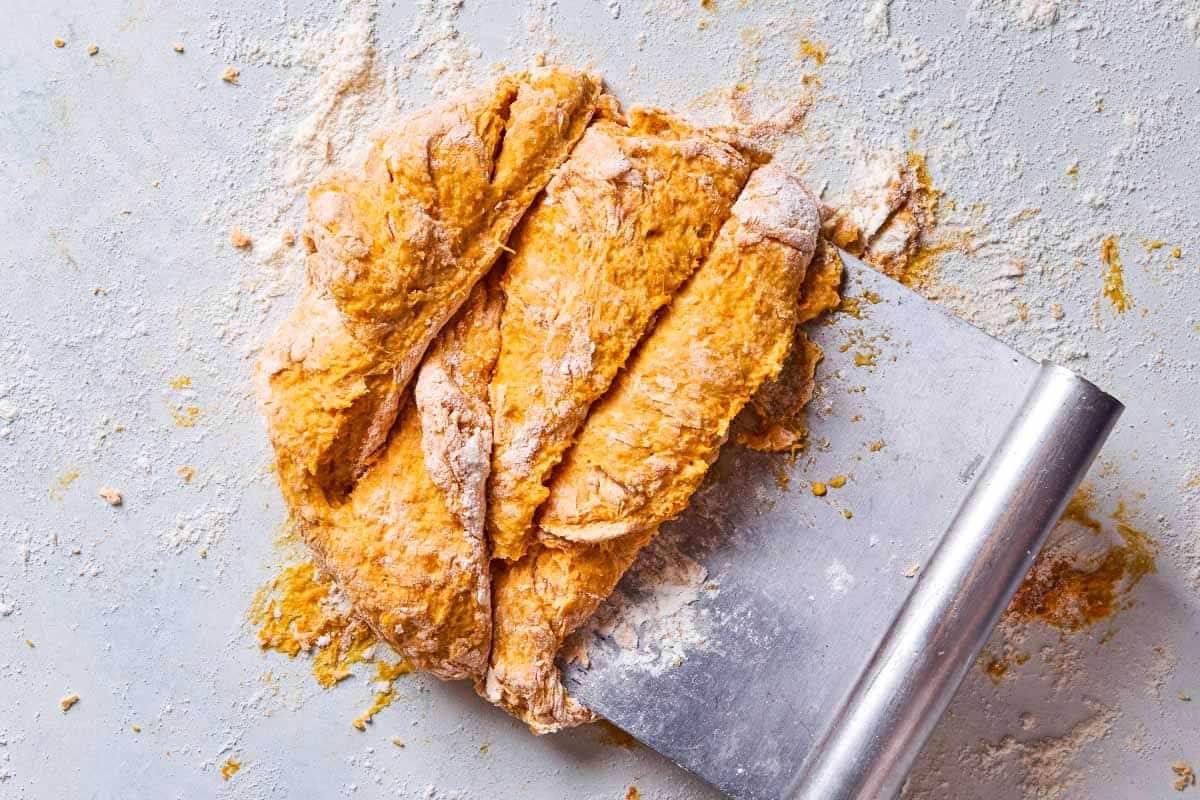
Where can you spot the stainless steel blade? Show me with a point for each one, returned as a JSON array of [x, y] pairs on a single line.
[[795, 690]]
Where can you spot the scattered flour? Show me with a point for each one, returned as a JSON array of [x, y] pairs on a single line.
[[441, 55], [1047, 768], [877, 21], [1193, 25], [1036, 14], [205, 527], [839, 578], [655, 617]]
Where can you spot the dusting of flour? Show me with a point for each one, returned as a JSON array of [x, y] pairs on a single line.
[[655, 617]]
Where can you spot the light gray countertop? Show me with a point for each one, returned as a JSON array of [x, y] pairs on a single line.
[[1049, 126]]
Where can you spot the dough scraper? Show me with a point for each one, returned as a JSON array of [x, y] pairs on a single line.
[[837, 628]]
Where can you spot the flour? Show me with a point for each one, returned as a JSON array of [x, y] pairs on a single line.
[[441, 56], [205, 527], [877, 21], [1036, 14], [1048, 768], [656, 616], [350, 95], [839, 578]]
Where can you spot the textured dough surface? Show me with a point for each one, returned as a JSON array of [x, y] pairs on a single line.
[[396, 248], [537, 602], [408, 548], [646, 446], [622, 225]]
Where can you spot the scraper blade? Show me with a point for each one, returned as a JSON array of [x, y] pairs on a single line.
[[834, 629]]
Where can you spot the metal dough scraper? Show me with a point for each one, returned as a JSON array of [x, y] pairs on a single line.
[[836, 628]]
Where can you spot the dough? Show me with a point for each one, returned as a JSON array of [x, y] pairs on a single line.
[[619, 229], [407, 549], [646, 446], [653, 287], [395, 250]]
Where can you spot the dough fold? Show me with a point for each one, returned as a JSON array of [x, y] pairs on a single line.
[[407, 548], [394, 250], [646, 445], [622, 225]]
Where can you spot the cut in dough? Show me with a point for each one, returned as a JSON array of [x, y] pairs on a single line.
[[624, 223], [650, 291], [408, 548], [646, 446], [395, 249]]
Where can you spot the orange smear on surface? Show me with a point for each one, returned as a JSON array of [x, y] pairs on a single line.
[[1114, 276], [1071, 591], [294, 613], [230, 768]]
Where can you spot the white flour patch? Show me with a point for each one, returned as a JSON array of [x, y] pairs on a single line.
[[1048, 768], [655, 617], [877, 21], [1036, 14], [839, 578], [1193, 26], [205, 527], [441, 55]]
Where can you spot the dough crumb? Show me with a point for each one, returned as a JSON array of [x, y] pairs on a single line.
[[68, 701], [288, 237], [92, 49], [819, 489], [230, 75], [230, 768], [135, 728], [912, 570], [1186, 775], [177, 47], [111, 496], [59, 43], [396, 740], [239, 238]]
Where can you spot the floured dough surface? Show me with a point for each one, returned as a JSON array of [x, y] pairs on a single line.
[[624, 223], [395, 249], [407, 548], [646, 446], [485, 405]]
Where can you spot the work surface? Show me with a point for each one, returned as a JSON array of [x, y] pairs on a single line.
[[130, 324]]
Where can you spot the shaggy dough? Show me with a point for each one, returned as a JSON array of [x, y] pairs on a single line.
[[396, 249], [646, 446], [650, 225], [408, 548], [624, 223]]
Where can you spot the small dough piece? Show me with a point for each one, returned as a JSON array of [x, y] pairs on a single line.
[[408, 549], [778, 402], [451, 393], [821, 292], [395, 249], [537, 603], [621, 226], [646, 446]]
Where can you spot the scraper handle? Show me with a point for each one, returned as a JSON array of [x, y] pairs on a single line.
[[1021, 491]]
